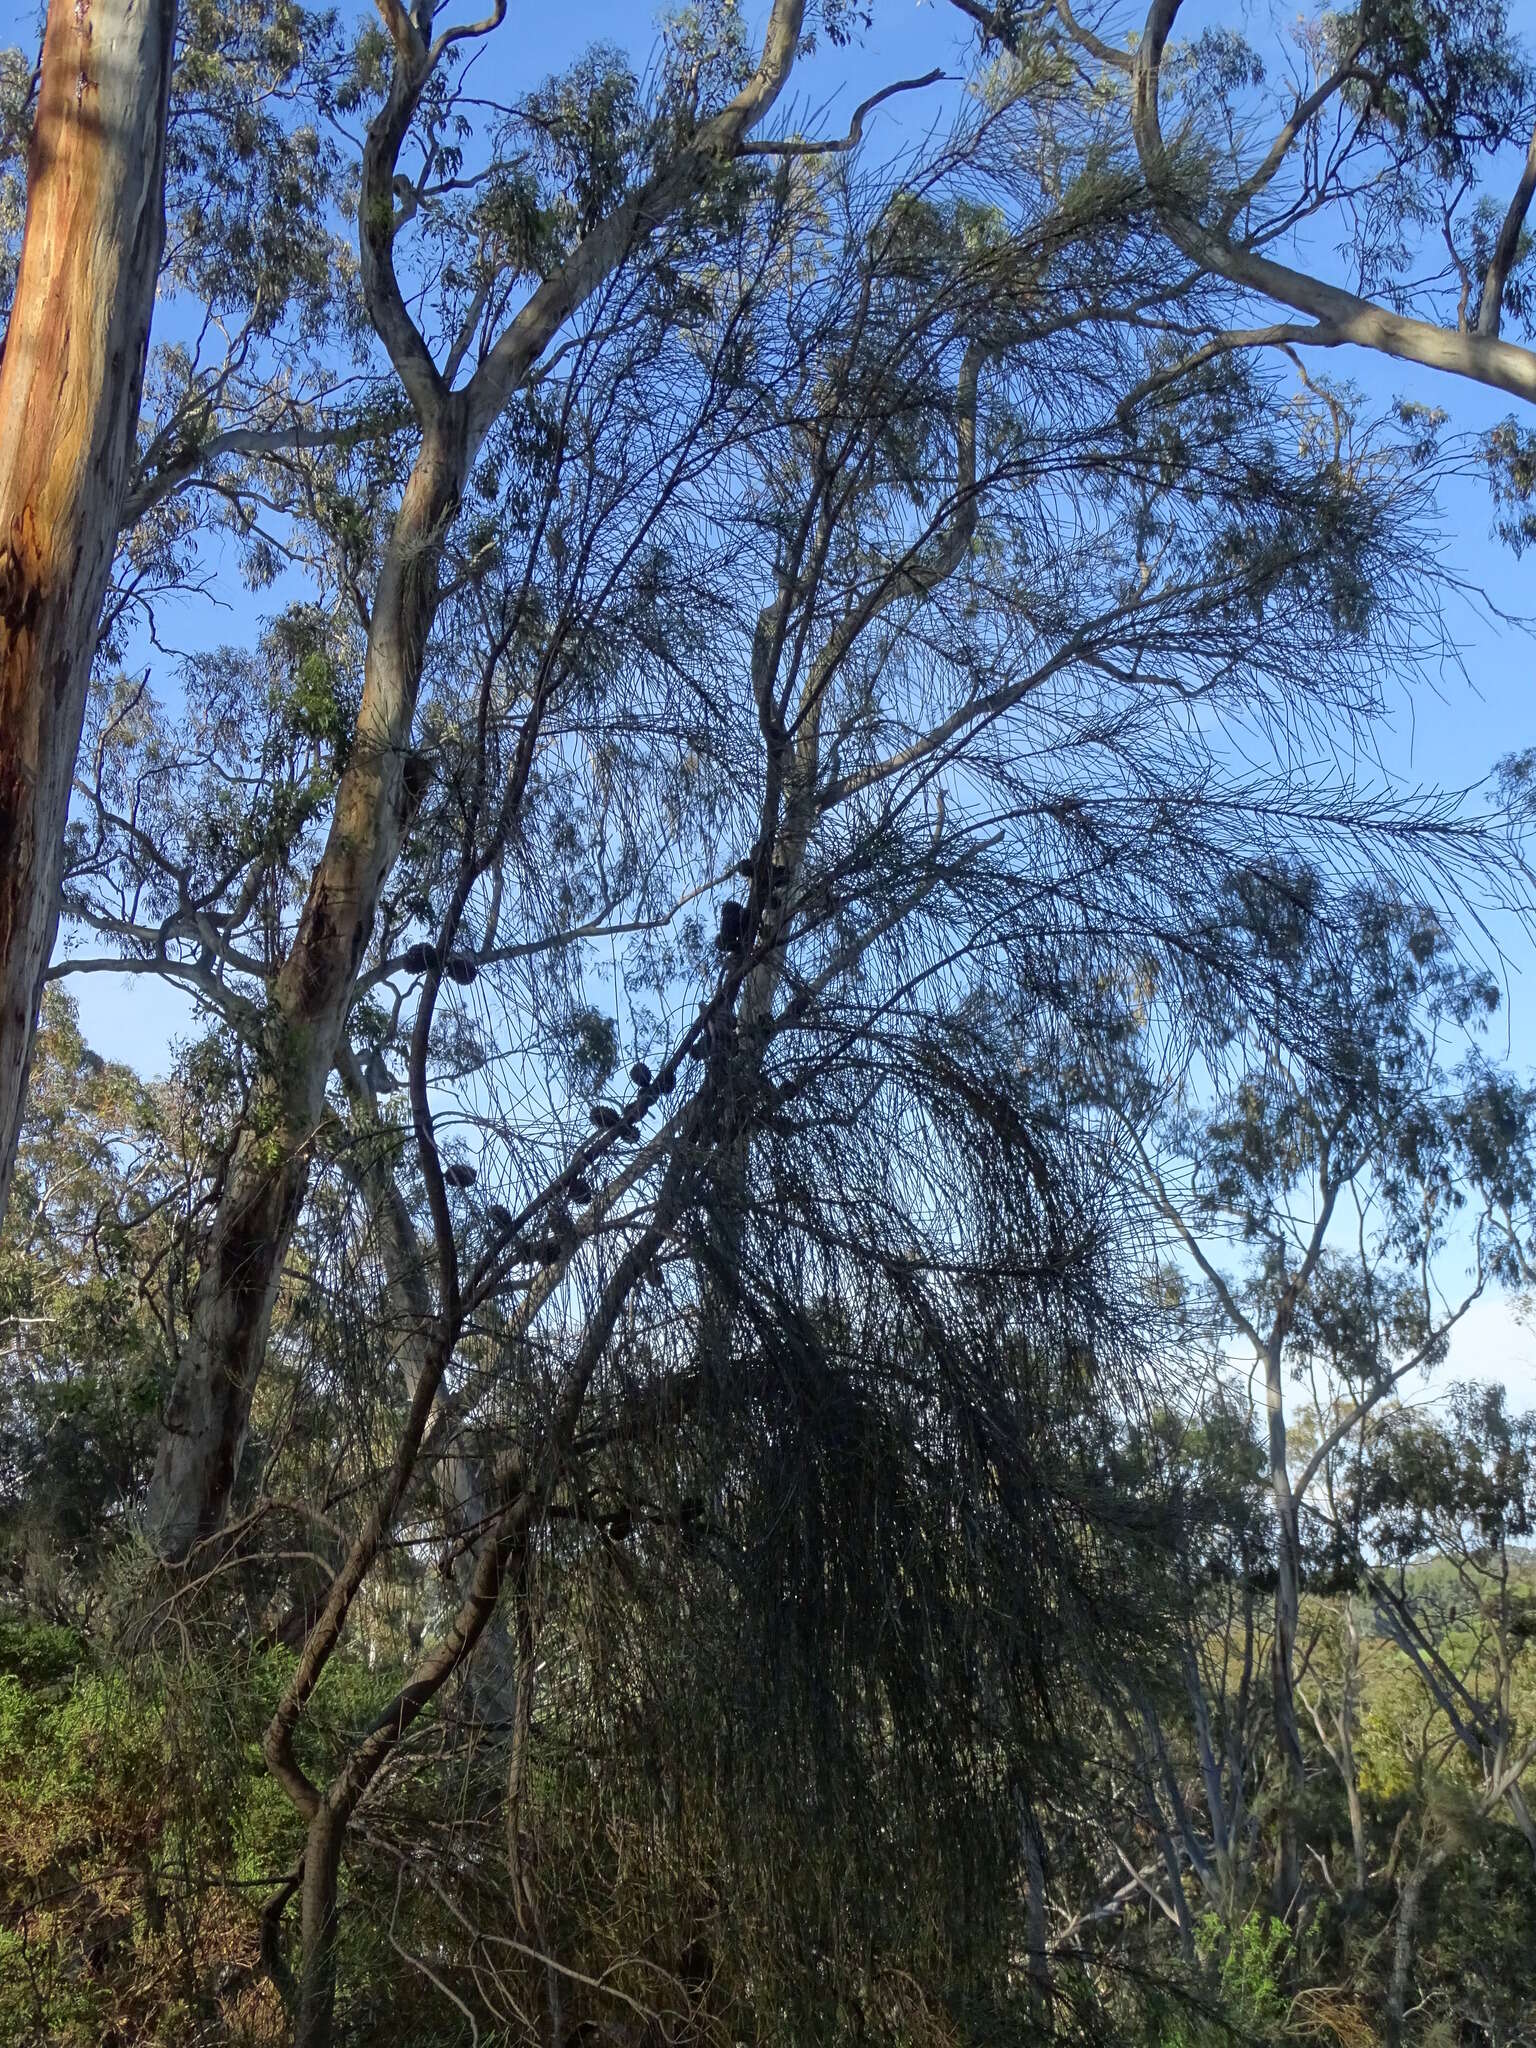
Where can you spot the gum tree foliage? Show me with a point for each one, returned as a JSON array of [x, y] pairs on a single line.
[[1438, 1510], [89, 1263], [1399, 136], [1368, 1164], [1414, 1676]]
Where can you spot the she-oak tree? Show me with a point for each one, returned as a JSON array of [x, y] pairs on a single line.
[[313, 982]]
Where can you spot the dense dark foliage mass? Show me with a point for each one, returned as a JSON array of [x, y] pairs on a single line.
[[757, 1375]]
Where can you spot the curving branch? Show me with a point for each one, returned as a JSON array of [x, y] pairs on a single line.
[[189, 466], [1357, 1414], [797, 145], [378, 223], [1341, 316]]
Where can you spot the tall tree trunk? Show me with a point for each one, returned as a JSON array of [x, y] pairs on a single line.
[[319, 1912], [242, 1263], [1347, 1767], [1410, 1904], [70, 385], [1287, 1878]]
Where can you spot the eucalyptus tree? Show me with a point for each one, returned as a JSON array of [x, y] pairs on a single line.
[[1183, 1749], [88, 1281], [171, 154], [623, 195], [1402, 134], [1440, 1507], [1355, 1153], [70, 381], [1440, 1510]]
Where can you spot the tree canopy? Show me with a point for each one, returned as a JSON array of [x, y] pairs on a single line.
[[750, 1378]]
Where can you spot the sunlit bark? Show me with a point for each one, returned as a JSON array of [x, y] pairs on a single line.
[[70, 384]]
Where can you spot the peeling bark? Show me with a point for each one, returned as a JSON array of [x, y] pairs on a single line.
[[70, 384]]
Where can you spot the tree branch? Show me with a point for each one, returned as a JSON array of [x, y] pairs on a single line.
[[595, 259], [835, 145], [1490, 311], [154, 490], [1345, 315]]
